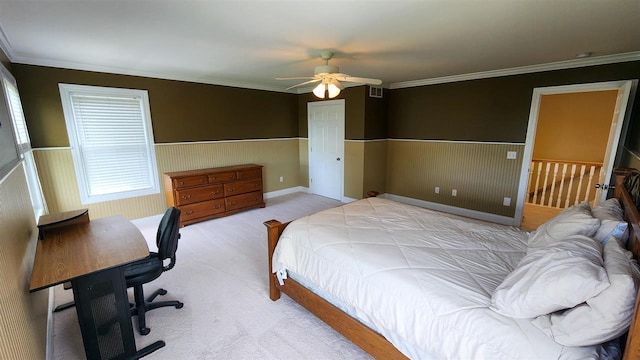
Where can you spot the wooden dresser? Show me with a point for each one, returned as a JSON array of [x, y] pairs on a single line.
[[209, 193]]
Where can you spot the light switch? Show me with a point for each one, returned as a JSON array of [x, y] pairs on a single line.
[[511, 155]]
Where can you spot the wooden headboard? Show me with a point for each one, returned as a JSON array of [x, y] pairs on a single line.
[[632, 215]]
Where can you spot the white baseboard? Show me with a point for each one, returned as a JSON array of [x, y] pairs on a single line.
[[474, 214], [296, 189], [288, 191], [49, 343]]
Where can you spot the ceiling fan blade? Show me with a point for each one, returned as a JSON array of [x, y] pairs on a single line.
[[361, 80], [303, 84], [296, 78]]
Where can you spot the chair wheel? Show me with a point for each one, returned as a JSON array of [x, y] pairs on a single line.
[[179, 306], [162, 292], [145, 331]]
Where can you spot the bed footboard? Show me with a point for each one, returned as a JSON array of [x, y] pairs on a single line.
[[367, 339], [274, 229]]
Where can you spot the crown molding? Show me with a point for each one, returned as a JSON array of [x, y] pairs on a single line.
[[122, 71], [560, 65], [5, 45]]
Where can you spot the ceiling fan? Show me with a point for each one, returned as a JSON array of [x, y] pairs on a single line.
[[329, 78]]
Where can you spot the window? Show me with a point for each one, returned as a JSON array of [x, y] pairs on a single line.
[[14, 105], [111, 142]]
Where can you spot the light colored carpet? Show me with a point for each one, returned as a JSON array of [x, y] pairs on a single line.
[[221, 276]]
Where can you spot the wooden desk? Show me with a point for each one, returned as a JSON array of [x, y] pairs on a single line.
[[51, 221], [91, 256]]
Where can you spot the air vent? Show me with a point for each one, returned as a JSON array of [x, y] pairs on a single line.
[[375, 91]]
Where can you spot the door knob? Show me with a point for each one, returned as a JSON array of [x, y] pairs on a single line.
[[338, 159], [604, 186]]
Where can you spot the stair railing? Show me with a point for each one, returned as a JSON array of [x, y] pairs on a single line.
[[559, 183]]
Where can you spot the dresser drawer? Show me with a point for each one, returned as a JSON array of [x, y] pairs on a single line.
[[222, 177], [241, 187], [201, 209], [203, 193], [189, 181], [243, 201], [249, 173]]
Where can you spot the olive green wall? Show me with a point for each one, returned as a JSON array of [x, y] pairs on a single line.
[[376, 111], [5, 60], [180, 111], [495, 109]]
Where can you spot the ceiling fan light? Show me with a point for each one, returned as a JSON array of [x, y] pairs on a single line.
[[333, 91], [319, 90]]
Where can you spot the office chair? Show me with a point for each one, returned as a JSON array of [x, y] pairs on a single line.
[[151, 267]]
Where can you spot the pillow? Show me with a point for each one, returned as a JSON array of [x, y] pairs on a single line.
[[605, 316], [575, 220], [555, 277], [612, 221]]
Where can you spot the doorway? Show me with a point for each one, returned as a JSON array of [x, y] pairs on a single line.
[[326, 121], [615, 128]]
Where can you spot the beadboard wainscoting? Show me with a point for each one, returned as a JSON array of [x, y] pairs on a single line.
[[24, 315], [279, 157], [480, 173]]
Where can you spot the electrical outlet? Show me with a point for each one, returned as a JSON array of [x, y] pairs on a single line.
[[437, 190], [454, 192], [506, 201], [281, 178], [511, 155]]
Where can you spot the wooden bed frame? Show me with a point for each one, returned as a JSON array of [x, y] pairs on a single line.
[[379, 347]]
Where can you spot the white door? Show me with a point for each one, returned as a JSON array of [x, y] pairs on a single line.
[[621, 116], [612, 144], [326, 148]]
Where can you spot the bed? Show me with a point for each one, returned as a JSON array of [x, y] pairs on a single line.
[[467, 261]]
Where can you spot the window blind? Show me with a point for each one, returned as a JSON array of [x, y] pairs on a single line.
[[112, 146], [20, 125], [14, 107]]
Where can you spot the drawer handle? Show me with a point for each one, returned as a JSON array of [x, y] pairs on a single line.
[[181, 182], [254, 185], [186, 197], [214, 177], [215, 192], [189, 212], [255, 199], [233, 203], [201, 181], [217, 207], [232, 189]]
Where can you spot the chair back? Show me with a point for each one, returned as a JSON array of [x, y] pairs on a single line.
[[168, 235]]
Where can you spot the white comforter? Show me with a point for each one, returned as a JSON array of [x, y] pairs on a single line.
[[421, 278]]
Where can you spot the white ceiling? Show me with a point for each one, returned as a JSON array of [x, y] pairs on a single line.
[[249, 43]]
